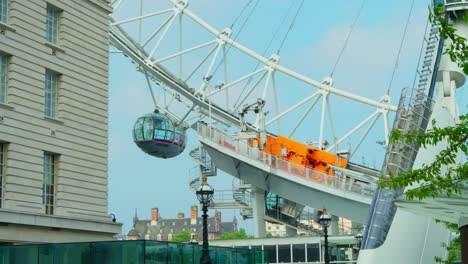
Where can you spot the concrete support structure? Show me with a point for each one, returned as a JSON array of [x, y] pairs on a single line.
[[334, 228], [290, 232], [463, 228], [413, 233], [54, 122], [258, 208]]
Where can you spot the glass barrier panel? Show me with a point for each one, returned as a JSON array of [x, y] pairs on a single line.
[[125, 252], [118, 252], [223, 256], [271, 251], [244, 256], [284, 253], [65, 253], [156, 252], [313, 252], [19, 255], [299, 253]]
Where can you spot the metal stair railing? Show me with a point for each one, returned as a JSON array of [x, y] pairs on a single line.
[[231, 199], [195, 178], [272, 215], [205, 167], [340, 181], [413, 114]]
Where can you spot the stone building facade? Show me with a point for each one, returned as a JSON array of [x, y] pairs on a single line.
[[54, 121], [163, 229]]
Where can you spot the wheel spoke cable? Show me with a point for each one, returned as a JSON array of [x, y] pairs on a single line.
[[399, 49], [343, 48], [286, 15], [290, 27]]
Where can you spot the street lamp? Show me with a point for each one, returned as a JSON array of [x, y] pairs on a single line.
[[113, 218], [358, 238], [325, 220], [193, 242], [205, 195], [357, 247]]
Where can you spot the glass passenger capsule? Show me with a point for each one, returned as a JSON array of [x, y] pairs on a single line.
[[157, 135]]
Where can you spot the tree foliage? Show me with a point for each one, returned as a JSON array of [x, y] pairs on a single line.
[[241, 234], [453, 248], [182, 236], [457, 50], [430, 177]]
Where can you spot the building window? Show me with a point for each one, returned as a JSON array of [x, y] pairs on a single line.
[[3, 77], [4, 11], [48, 191], [52, 24], [50, 93], [2, 170]]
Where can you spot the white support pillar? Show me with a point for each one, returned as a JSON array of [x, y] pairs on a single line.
[[258, 208], [334, 227], [291, 232]]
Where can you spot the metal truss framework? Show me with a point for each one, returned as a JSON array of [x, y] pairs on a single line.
[[175, 83]]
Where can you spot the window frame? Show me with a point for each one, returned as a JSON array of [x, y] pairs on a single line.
[[54, 24], [49, 190], [50, 106], [4, 15], [3, 153], [4, 73]]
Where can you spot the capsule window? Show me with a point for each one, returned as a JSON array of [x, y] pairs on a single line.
[[169, 135], [138, 130], [180, 138], [148, 129], [157, 123]]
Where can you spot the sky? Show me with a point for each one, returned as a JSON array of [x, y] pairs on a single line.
[[139, 181]]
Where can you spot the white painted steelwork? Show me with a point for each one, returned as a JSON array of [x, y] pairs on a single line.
[[347, 195], [243, 161], [340, 181], [150, 59], [416, 218]]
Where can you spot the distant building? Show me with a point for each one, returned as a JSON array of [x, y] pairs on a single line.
[[54, 61], [339, 226], [275, 230], [158, 228]]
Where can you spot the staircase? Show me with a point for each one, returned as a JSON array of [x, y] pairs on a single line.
[[205, 167], [200, 156], [241, 192], [413, 114], [195, 179], [414, 108], [307, 226], [430, 61]]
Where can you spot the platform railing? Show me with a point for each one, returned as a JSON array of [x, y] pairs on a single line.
[[337, 180], [454, 5]]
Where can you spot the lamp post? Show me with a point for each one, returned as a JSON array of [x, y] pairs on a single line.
[[325, 220], [205, 195], [358, 238], [357, 248], [193, 242]]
